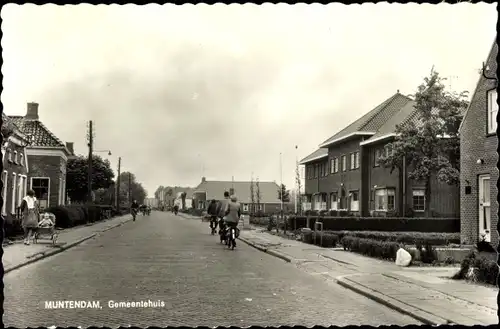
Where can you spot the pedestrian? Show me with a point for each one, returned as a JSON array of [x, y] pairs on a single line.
[[233, 214], [212, 212], [29, 210]]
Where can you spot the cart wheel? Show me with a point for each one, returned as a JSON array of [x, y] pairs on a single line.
[[54, 239]]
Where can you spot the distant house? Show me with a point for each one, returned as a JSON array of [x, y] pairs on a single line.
[[478, 159], [15, 167], [344, 174], [214, 190], [47, 158], [168, 195]]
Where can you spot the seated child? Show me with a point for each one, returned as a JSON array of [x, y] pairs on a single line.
[[46, 221]]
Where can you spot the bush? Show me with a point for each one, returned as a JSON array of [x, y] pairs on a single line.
[[12, 226], [74, 215], [373, 248], [329, 240], [427, 253], [412, 238], [486, 269]]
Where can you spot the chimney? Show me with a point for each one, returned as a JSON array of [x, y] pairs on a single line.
[[32, 113], [69, 146], [203, 179]]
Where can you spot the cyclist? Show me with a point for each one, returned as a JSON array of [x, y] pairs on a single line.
[[221, 212], [233, 214], [134, 208], [212, 212]]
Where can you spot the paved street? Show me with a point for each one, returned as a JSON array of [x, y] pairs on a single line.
[[175, 260]]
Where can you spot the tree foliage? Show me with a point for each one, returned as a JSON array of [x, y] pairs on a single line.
[[283, 193], [77, 176], [299, 188], [257, 194], [429, 144], [252, 197], [183, 199], [137, 191]]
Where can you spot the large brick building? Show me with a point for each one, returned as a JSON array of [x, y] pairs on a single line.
[[344, 174], [47, 157], [15, 168], [478, 162]]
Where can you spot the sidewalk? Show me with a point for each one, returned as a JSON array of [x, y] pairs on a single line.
[[18, 254], [427, 294]]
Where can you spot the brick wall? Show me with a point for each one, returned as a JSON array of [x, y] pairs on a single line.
[[47, 166], [474, 145]]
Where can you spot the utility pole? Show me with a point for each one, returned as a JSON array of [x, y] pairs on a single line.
[[118, 184], [296, 183], [90, 145], [281, 191]]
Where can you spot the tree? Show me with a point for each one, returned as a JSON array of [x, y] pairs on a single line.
[[283, 193], [429, 144], [137, 191], [77, 176], [257, 193], [252, 198], [183, 199], [299, 187], [158, 192]]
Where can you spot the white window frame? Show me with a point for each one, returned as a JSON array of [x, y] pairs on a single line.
[[334, 205], [353, 205], [385, 193], [15, 157], [21, 159], [21, 188], [14, 186], [261, 207], [9, 155], [492, 111], [48, 190], [417, 192], [5, 179], [245, 207], [59, 197], [353, 160], [344, 162], [389, 150]]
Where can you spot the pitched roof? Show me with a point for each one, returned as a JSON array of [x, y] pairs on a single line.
[[41, 136], [405, 114], [491, 61], [6, 120], [318, 154], [371, 122], [178, 189], [215, 190]]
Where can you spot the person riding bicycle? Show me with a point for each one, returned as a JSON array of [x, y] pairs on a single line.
[[221, 213], [134, 208], [233, 214], [212, 212]]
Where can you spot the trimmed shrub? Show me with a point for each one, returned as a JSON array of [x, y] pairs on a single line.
[[486, 270], [377, 249], [321, 239], [63, 219], [412, 238]]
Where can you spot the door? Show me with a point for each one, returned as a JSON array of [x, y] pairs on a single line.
[[484, 208]]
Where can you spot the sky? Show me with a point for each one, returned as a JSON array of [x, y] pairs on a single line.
[[181, 92]]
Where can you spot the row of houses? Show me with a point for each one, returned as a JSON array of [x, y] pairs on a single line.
[[33, 158], [344, 173], [199, 196]]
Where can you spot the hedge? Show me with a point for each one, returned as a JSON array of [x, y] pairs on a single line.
[[322, 239], [378, 249], [387, 224], [73, 215], [412, 238], [486, 270]]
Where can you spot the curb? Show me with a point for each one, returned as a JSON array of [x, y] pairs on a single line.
[[420, 315], [46, 254], [267, 251]]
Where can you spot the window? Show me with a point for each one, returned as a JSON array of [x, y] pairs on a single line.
[[342, 200], [5, 178], [245, 207], [21, 188], [13, 208], [389, 150], [334, 202], [21, 159], [316, 169], [354, 198], [334, 165], [344, 163], [385, 199], [261, 207], [41, 188], [15, 157], [419, 200], [354, 160], [9, 155], [492, 111], [378, 154]]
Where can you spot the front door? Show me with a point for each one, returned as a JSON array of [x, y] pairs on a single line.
[[484, 208]]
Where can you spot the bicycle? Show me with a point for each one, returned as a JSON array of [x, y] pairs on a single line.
[[213, 225], [232, 235]]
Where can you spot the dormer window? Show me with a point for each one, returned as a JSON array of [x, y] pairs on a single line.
[[15, 157], [492, 111]]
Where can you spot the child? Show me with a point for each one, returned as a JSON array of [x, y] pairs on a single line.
[[46, 221]]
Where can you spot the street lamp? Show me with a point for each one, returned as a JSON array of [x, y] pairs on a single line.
[[109, 152]]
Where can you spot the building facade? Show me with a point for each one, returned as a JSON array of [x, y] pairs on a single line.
[[15, 168], [344, 173], [47, 157], [479, 158]]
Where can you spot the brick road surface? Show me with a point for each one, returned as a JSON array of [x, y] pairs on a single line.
[[173, 259]]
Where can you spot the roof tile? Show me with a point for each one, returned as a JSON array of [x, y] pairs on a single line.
[[41, 136], [315, 155]]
